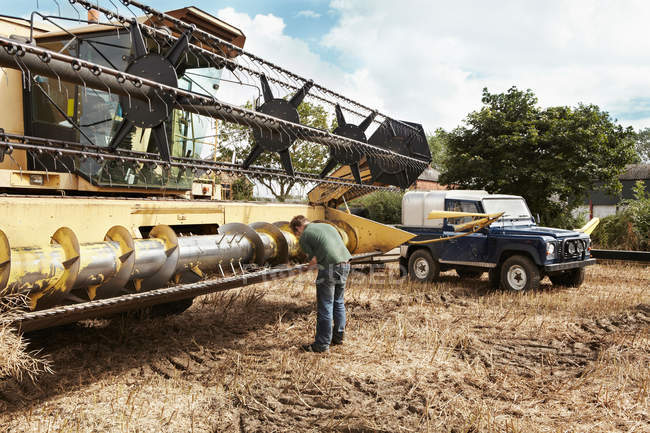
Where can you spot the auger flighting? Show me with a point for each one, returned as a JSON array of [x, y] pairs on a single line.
[[47, 275]]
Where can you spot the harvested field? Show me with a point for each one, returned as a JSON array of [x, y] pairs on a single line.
[[451, 356]]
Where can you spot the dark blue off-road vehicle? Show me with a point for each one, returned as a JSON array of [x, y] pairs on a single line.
[[515, 251]]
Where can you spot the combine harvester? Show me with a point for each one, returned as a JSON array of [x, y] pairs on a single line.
[[109, 202]]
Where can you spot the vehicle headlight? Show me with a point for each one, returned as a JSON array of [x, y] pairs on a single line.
[[571, 248], [581, 247], [550, 250]]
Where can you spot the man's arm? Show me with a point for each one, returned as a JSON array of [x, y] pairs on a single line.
[[306, 248]]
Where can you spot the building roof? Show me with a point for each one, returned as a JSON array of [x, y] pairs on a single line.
[[430, 175], [636, 172]]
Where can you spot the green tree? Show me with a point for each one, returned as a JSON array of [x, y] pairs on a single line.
[[643, 144], [242, 189], [383, 206], [629, 228], [551, 156], [306, 156], [437, 145]]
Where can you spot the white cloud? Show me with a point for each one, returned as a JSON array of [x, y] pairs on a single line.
[[430, 60], [308, 14], [266, 38], [427, 61]]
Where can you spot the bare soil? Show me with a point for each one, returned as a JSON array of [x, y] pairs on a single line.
[[452, 356]]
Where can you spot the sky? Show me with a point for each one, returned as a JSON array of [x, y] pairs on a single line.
[[428, 61]]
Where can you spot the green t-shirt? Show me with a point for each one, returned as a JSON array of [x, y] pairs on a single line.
[[324, 242]]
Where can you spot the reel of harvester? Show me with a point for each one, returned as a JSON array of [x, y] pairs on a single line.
[[156, 107], [403, 138], [274, 140], [347, 155]]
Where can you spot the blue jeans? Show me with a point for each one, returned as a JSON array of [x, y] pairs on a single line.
[[330, 288]]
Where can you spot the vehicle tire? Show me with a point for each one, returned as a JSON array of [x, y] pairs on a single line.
[[519, 273], [422, 267], [467, 273], [571, 278]]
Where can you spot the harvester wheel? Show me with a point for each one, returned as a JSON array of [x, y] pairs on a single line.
[[571, 278], [422, 267]]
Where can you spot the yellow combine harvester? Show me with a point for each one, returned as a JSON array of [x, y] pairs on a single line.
[[111, 199]]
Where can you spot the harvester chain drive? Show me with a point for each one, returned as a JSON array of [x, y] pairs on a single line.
[[34, 320], [41, 61], [221, 50], [9, 142]]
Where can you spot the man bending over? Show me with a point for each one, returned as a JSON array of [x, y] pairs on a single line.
[[324, 247]]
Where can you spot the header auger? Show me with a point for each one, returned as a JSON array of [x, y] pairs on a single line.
[[114, 156]]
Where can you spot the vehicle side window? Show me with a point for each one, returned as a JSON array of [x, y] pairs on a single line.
[[461, 206]]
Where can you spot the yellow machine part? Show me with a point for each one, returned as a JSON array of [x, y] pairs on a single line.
[[589, 227], [325, 193], [103, 265], [89, 218], [371, 236]]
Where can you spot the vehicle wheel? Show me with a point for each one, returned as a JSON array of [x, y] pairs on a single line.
[[466, 273], [422, 267], [571, 278], [519, 273]]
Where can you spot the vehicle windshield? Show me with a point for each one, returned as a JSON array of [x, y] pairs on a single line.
[[515, 209]]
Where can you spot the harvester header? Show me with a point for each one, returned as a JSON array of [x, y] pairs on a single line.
[[118, 139]]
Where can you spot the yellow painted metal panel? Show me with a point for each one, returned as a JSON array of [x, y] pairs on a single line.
[[371, 236], [31, 220], [590, 226], [11, 114], [70, 110], [323, 192]]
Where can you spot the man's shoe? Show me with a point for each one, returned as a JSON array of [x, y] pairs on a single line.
[[337, 338], [314, 348]]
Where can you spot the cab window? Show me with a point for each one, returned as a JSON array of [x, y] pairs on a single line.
[[461, 206]]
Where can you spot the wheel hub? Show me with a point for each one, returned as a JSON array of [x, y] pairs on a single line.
[[421, 268], [517, 278]]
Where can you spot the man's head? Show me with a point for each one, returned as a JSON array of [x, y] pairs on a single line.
[[298, 224]]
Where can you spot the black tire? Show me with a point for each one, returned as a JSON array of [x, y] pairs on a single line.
[[571, 278], [422, 267], [519, 273], [468, 273]]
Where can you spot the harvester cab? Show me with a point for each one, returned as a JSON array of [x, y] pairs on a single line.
[[108, 151], [55, 109]]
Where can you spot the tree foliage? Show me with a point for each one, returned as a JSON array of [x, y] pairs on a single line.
[[242, 189], [383, 206], [629, 229], [643, 145], [551, 156], [306, 156], [438, 146]]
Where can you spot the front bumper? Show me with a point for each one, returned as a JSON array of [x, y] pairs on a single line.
[[555, 267]]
